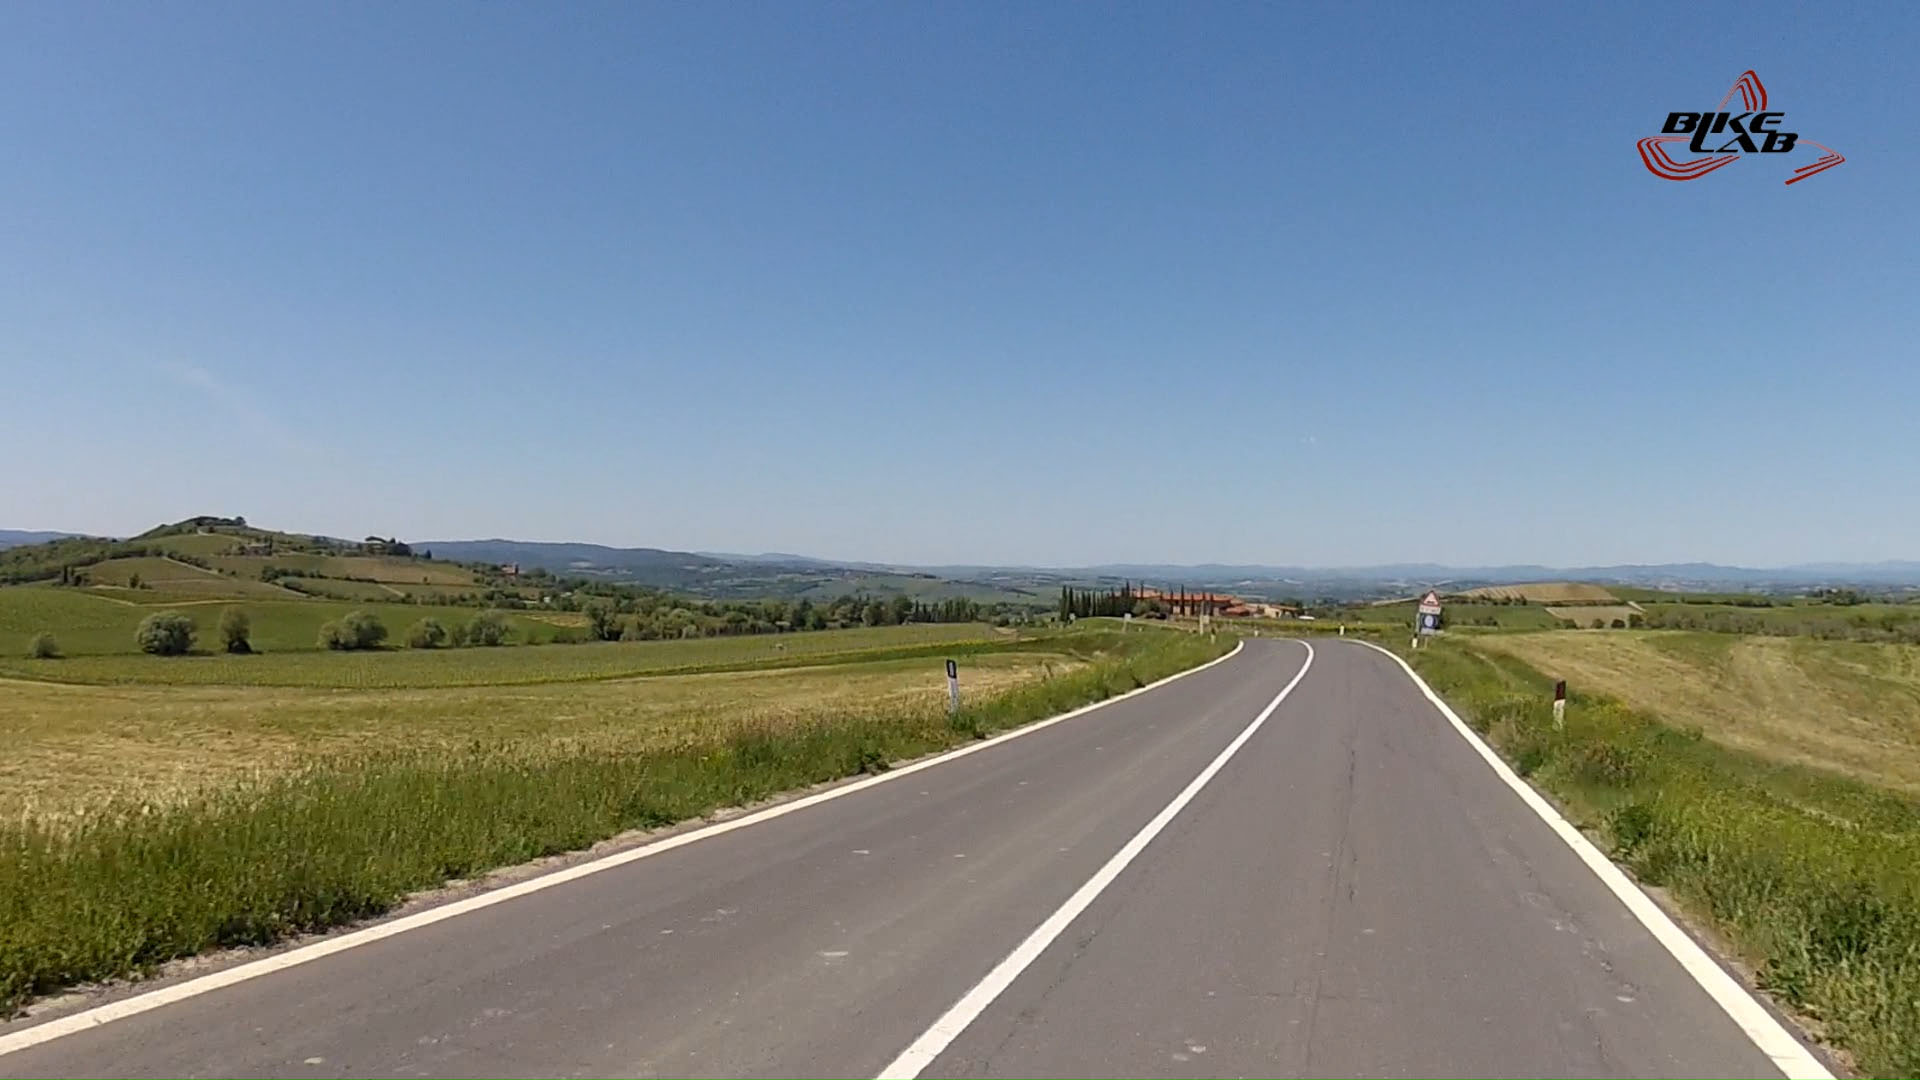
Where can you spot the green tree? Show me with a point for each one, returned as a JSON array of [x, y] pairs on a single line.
[[602, 622], [133, 581], [355, 630], [426, 634], [43, 647], [489, 628], [235, 630], [166, 633]]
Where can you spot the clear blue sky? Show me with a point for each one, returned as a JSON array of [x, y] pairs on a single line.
[[1051, 283]]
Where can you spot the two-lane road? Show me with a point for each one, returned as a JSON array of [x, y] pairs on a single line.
[[1286, 863]]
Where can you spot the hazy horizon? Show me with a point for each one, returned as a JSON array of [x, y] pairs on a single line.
[[832, 557]]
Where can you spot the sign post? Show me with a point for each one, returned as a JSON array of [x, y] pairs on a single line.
[[1560, 704], [1426, 622], [953, 688], [1126, 620]]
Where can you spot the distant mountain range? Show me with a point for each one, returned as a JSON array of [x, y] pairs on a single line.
[[786, 574], [17, 537], [669, 569]]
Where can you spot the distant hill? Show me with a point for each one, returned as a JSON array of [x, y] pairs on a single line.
[[17, 537], [563, 557], [722, 575], [213, 558]]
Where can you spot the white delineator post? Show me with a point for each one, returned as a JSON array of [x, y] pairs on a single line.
[[1560, 704], [953, 688]]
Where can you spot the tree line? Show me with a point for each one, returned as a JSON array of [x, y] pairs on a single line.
[[628, 613], [1127, 600]]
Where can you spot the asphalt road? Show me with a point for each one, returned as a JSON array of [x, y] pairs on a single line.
[[1352, 893]]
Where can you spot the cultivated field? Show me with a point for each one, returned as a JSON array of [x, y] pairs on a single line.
[[166, 581], [1849, 707], [366, 567], [1546, 592], [88, 623], [74, 747], [393, 669]]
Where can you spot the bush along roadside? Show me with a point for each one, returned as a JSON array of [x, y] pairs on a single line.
[[134, 887], [1813, 878]]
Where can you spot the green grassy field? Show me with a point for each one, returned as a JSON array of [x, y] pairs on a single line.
[[425, 668], [200, 545], [1785, 617], [89, 624], [160, 822], [349, 590], [1782, 814], [72, 748], [1847, 707]]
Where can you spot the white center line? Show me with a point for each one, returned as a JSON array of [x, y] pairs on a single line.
[[935, 1039]]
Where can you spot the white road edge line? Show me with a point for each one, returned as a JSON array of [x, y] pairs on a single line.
[[921, 1052], [1772, 1038], [168, 995]]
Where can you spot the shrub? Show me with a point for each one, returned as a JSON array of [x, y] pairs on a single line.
[[602, 622], [355, 630], [487, 628], [166, 633], [235, 628], [426, 634], [1632, 826], [43, 647]]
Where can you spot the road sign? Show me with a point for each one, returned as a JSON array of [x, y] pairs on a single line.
[[1428, 620]]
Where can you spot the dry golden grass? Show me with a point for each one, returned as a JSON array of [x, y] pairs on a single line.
[[1849, 707], [1547, 592], [71, 747]]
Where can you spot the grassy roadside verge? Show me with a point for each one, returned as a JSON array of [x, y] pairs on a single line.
[[134, 887], [1813, 878]]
